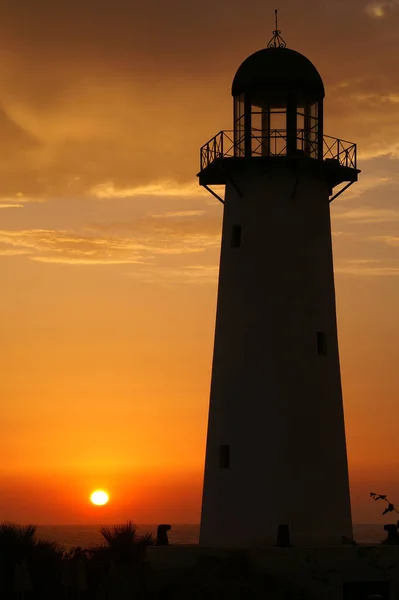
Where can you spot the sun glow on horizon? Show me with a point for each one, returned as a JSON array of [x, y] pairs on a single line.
[[99, 498]]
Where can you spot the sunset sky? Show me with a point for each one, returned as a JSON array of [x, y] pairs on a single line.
[[109, 249]]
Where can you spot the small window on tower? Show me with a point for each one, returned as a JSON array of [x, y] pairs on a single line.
[[236, 236], [224, 458], [322, 343]]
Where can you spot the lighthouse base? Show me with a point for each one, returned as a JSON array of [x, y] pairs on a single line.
[[334, 573]]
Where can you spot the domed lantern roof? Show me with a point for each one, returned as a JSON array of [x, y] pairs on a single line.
[[278, 70]]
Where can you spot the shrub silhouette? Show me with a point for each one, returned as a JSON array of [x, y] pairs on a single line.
[[393, 537], [18, 544], [124, 547]]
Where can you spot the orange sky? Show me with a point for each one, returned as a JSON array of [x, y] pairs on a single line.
[[109, 250]]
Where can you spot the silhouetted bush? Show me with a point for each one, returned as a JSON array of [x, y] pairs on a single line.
[[393, 537], [124, 547], [119, 566], [43, 561]]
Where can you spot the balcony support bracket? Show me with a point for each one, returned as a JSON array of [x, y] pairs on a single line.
[[341, 191], [213, 193]]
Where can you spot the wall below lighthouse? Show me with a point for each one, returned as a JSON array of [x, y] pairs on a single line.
[[276, 451]]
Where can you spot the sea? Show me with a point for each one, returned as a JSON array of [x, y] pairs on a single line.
[[84, 536]]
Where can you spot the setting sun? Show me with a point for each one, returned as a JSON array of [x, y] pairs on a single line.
[[99, 497]]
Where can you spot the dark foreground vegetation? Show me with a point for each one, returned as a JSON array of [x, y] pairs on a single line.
[[118, 569]]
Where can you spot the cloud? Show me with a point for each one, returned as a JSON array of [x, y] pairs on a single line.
[[19, 200], [366, 111], [390, 240], [4, 251], [181, 213], [165, 188], [139, 241], [70, 248], [368, 268], [174, 276], [380, 9], [365, 184], [368, 215], [99, 98], [375, 99], [174, 225]]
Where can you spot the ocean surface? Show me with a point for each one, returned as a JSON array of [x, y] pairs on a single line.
[[89, 535]]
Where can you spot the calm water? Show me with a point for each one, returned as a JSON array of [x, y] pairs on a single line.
[[81, 535]]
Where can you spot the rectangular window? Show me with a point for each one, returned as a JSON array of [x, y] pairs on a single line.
[[322, 343], [236, 236], [224, 457]]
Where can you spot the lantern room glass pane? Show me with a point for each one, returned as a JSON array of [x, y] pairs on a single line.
[[300, 128], [239, 136], [256, 121], [314, 111], [278, 118], [260, 129], [256, 131], [263, 131], [239, 125], [278, 130], [308, 129], [239, 108]]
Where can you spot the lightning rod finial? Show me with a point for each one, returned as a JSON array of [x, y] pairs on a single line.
[[276, 41]]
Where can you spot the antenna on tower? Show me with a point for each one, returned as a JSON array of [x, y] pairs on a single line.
[[276, 41]]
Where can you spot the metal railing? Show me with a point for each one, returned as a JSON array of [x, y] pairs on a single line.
[[341, 150], [275, 144]]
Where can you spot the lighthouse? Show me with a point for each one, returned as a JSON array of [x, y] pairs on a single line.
[[276, 456]]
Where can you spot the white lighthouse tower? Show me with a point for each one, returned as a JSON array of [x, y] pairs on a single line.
[[276, 452]]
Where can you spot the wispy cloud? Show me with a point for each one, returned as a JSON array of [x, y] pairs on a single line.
[[181, 213], [370, 98], [381, 8], [13, 251], [176, 276], [365, 184], [117, 243], [376, 98], [45, 245], [389, 240], [19, 200], [368, 268], [368, 215], [162, 188], [97, 125]]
